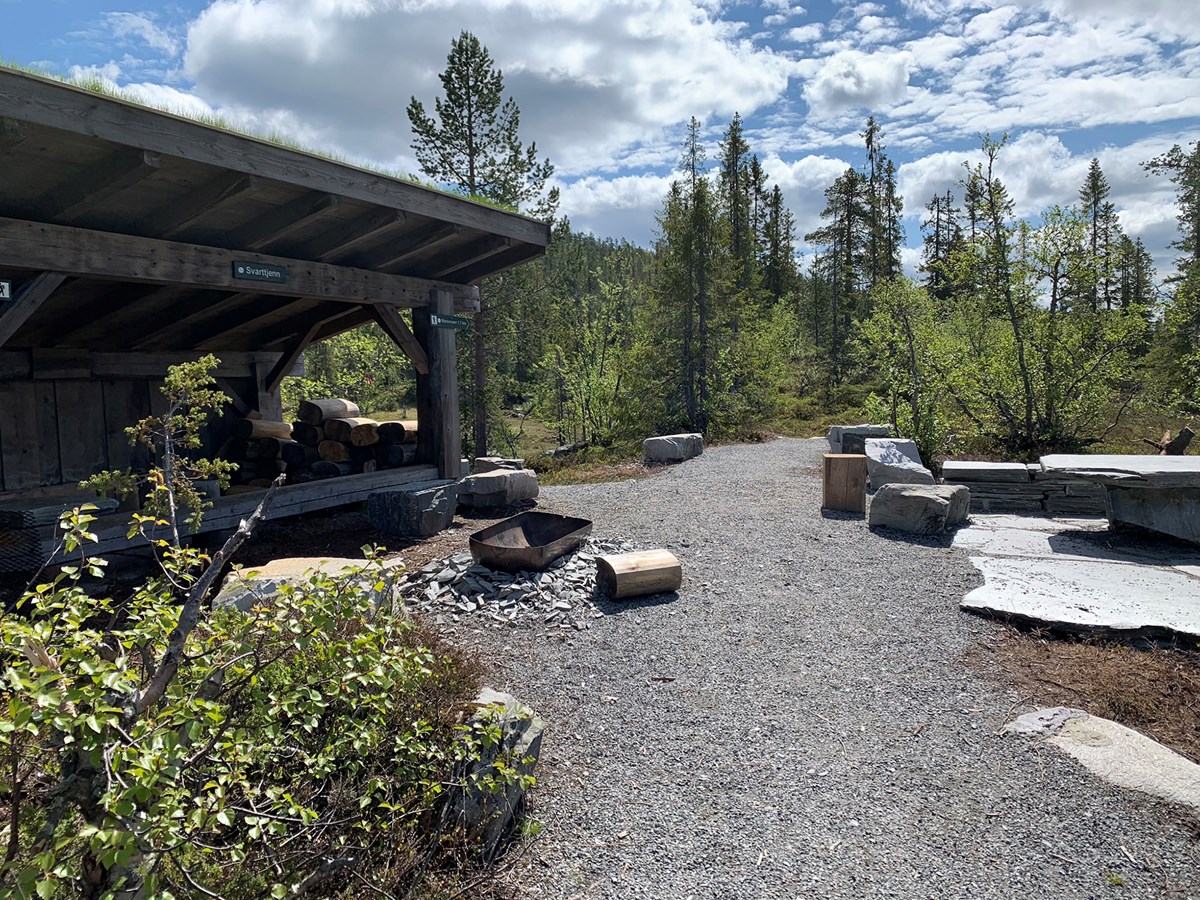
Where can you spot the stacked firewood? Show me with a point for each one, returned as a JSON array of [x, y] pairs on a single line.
[[329, 438]]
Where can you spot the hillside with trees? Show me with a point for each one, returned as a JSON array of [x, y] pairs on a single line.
[[1018, 337]]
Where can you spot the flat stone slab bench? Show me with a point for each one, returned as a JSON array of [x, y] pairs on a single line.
[[1157, 493], [999, 487]]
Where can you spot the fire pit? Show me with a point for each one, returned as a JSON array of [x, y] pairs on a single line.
[[531, 540]]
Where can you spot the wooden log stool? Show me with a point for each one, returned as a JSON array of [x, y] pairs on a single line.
[[844, 485], [636, 574]]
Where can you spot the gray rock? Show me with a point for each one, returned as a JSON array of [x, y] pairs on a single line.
[[492, 463], [837, 433], [922, 509], [672, 447], [894, 461], [414, 510], [501, 487], [965, 470], [1043, 722], [483, 803], [247, 588]]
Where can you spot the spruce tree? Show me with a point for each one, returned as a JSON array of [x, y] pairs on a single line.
[[473, 146], [1092, 196]]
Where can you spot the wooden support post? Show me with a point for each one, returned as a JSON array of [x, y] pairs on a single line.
[[844, 486], [439, 439]]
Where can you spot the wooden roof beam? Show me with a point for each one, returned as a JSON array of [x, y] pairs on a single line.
[[394, 254], [93, 185], [278, 223], [477, 252], [266, 312], [28, 298], [172, 218], [520, 254], [120, 297], [341, 240], [395, 327], [346, 322], [202, 306], [123, 257]]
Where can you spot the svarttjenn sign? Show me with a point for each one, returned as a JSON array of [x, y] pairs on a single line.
[[252, 271]]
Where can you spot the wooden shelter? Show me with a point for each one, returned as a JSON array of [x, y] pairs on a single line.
[[132, 239]]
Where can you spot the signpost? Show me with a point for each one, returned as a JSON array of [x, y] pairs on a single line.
[[458, 323], [5, 290], [252, 271]]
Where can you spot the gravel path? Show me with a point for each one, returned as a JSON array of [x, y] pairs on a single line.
[[799, 721]]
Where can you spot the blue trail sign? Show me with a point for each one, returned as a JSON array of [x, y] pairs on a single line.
[[458, 323]]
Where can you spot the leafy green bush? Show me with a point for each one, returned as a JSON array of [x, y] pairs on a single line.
[[157, 748]]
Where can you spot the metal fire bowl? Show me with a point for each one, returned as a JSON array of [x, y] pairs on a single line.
[[529, 541]]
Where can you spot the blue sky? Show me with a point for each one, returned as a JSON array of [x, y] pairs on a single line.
[[606, 86]]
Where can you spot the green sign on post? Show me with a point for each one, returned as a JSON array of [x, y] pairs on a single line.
[[252, 271], [458, 323], [5, 290]]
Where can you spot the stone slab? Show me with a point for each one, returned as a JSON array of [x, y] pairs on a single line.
[[1167, 510], [894, 461], [1088, 596], [672, 447], [1118, 755], [492, 463], [836, 433], [501, 487], [1077, 539], [969, 470], [248, 587], [415, 510], [1152, 471]]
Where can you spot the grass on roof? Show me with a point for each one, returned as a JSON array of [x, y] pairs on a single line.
[[99, 86]]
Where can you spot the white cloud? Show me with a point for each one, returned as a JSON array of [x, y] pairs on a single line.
[[140, 26], [591, 78], [853, 80], [804, 34], [615, 207]]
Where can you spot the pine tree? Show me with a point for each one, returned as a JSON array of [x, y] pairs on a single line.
[[779, 237], [473, 146], [847, 239], [736, 201], [943, 238]]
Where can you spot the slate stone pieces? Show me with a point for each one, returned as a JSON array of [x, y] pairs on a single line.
[[672, 448], [958, 471], [918, 508]]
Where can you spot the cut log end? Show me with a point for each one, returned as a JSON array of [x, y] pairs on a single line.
[[637, 574]]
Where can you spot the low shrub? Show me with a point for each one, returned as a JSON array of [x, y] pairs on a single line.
[[300, 748]]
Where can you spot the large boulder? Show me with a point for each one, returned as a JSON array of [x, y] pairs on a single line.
[[894, 461], [501, 487], [919, 508], [485, 798], [672, 447], [246, 588], [414, 510], [837, 435]]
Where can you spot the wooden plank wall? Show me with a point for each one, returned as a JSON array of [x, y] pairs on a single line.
[[62, 419]]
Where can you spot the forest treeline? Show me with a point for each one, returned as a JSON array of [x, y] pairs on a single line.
[[1016, 338]]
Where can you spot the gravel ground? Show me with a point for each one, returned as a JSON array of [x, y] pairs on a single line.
[[798, 721]]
